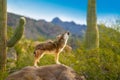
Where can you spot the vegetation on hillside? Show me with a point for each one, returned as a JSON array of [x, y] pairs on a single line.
[[94, 65]]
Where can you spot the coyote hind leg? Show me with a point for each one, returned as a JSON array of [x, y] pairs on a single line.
[[38, 55]]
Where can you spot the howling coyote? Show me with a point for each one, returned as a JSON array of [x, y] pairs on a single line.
[[50, 47]]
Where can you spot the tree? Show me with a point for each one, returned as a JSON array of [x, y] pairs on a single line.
[[92, 33]]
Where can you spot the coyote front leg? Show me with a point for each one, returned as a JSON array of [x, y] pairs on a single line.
[[57, 58]]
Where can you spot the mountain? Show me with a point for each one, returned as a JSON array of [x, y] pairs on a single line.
[[76, 29], [35, 28]]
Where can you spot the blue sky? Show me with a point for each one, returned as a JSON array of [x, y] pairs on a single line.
[[67, 10]]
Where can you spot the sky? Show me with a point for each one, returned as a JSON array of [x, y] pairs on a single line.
[[66, 10]]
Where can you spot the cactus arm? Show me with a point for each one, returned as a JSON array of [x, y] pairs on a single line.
[[18, 33]]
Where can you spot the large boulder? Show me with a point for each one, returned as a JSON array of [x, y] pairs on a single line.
[[50, 72]]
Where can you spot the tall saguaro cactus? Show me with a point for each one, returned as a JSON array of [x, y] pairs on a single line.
[[3, 35], [4, 43], [92, 34]]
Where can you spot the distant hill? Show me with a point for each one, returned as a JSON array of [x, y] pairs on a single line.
[[76, 29], [35, 28]]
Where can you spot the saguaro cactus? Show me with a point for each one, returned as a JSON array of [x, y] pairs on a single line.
[[92, 34], [4, 43]]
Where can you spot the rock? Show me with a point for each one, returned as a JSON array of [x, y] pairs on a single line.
[[11, 58], [12, 55], [68, 49], [50, 72]]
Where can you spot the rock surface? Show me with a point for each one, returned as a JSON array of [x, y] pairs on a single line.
[[51, 72]]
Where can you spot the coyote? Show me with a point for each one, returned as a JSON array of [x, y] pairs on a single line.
[[49, 47]]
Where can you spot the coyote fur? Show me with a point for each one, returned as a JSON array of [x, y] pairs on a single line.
[[50, 47]]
